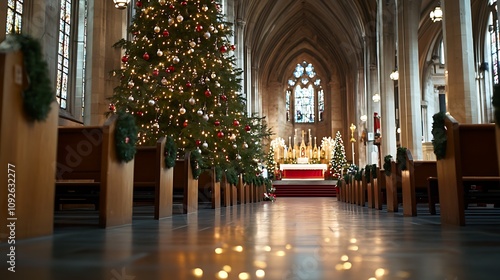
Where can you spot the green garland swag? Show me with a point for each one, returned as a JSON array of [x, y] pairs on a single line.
[[218, 173], [401, 158], [347, 178], [496, 103], [196, 163], [170, 152], [125, 137], [38, 97], [387, 165], [439, 135]]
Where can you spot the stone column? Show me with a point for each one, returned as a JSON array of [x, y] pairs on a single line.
[[462, 101], [387, 52], [360, 126], [409, 77]]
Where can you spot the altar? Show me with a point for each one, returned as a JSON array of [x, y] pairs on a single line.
[[303, 171]]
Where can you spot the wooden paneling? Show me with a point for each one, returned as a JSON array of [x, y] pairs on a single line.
[[30, 149]]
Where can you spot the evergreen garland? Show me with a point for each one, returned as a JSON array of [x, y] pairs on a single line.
[[374, 171], [170, 152], [387, 165], [232, 176], [125, 137], [218, 173], [496, 103], [401, 158], [359, 175], [38, 97], [196, 163], [368, 169], [439, 135], [347, 178]]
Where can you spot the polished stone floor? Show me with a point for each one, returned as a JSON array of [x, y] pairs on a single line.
[[292, 238]]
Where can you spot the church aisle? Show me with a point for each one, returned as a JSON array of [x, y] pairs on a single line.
[[292, 238]]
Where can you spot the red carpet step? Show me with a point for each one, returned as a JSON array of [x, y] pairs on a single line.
[[305, 188]]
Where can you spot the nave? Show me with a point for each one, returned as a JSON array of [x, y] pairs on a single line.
[[292, 238]]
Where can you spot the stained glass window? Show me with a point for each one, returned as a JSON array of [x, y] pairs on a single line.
[[494, 43], [305, 94], [63, 54], [14, 16]]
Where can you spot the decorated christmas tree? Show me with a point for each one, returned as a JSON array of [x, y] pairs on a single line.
[[339, 161], [270, 163], [178, 77]]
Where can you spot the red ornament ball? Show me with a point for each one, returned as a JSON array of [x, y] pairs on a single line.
[[199, 28], [198, 142], [127, 140], [217, 123], [188, 84], [124, 59], [236, 123], [220, 134], [145, 56], [223, 97], [112, 107], [140, 113], [208, 93], [223, 49], [165, 33], [170, 69], [172, 6], [184, 3], [156, 72], [138, 4], [233, 47], [185, 124], [247, 127]]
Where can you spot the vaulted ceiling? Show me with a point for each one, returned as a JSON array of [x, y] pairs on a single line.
[[330, 32]]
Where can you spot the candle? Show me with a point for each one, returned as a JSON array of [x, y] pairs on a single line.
[[289, 141], [315, 141], [285, 152]]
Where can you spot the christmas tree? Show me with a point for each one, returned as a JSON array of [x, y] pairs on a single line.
[[178, 77], [271, 163], [339, 160]]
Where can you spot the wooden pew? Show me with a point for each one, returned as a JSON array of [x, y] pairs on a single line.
[[391, 184], [377, 182], [414, 183], [209, 188], [88, 171], [153, 182], [186, 184], [28, 153], [469, 172]]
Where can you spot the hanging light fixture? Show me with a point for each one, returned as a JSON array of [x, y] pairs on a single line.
[[121, 4], [437, 13], [376, 97], [394, 75]]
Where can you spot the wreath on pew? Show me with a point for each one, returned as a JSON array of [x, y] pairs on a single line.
[[218, 173], [439, 135], [359, 175], [125, 137], [496, 103], [374, 171], [196, 163], [368, 171], [387, 165], [38, 96], [401, 158], [170, 152]]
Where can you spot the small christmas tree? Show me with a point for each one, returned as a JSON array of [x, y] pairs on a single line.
[[339, 160], [271, 164]]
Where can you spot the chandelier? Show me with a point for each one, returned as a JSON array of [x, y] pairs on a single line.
[[121, 4], [394, 75], [437, 13]]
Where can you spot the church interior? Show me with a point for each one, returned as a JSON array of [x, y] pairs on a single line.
[[370, 130]]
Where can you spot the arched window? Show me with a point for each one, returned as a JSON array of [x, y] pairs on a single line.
[[304, 97], [14, 16], [494, 43], [72, 53]]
